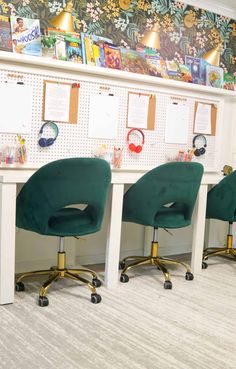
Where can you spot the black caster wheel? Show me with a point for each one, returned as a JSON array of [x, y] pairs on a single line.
[[189, 276], [95, 298], [43, 301], [204, 265], [168, 285], [121, 265], [20, 287], [124, 278], [96, 282]]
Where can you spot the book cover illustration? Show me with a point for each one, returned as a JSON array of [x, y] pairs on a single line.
[[133, 61], [26, 36], [5, 34], [98, 50], [48, 46], [88, 49], [152, 56], [203, 66], [185, 73], [73, 49], [57, 38], [173, 70], [112, 56], [229, 81], [195, 68], [214, 76]]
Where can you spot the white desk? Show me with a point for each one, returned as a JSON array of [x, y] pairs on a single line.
[[10, 177]]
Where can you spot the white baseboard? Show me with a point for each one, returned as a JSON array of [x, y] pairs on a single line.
[[28, 265]]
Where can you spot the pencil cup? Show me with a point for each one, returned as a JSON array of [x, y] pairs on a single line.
[[10, 155], [117, 157]]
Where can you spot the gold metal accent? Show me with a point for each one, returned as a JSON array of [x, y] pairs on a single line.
[[153, 259], [64, 20], [154, 249], [227, 169], [213, 55], [60, 271], [219, 251], [152, 38], [229, 241], [61, 260], [124, 4]]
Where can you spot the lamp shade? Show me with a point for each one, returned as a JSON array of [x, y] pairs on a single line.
[[152, 38], [64, 20], [213, 55]]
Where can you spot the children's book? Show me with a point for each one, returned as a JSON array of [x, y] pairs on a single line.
[[152, 56], [229, 81], [185, 73], [26, 36], [173, 70], [214, 76], [112, 56], [203, 65], [194, 65], [83, 47], [58, 38], [73, 49], [133, 61], [5, 34], [98, 50], [87, 49]]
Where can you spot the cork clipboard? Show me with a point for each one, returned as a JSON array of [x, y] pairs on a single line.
[[74, 100], [151, 111], [213, 116]]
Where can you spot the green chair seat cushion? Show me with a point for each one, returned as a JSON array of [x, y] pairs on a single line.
[[171, 217], [69, 221]]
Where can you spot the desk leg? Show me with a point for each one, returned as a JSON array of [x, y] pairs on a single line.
[[7, 242], [199, 219], [113, 239]]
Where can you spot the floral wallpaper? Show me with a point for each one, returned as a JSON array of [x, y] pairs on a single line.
[[184, 29]]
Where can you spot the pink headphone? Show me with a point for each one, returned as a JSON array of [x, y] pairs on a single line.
[[132, 147]]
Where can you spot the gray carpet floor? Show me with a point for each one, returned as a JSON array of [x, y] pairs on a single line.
[[139, 325]]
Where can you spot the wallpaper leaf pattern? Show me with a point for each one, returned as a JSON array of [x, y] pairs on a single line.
[[185, 29]]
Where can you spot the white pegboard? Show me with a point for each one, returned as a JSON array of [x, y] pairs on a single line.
[[73, 139]]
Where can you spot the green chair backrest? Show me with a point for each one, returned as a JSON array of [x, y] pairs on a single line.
[[175, 182], [62, 183], [221, 199]]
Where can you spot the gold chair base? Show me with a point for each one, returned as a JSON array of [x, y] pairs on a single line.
[[219, 251], [58, 272], [157, 261]]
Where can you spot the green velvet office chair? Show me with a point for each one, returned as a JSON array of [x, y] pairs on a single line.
[[221, 204], [47, 205], [162, 198]]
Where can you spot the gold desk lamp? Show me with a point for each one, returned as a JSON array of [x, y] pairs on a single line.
[[213, 55], [152, 38], [64, 20]]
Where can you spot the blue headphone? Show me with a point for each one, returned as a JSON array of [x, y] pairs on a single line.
[[201, 150], [44, 142]]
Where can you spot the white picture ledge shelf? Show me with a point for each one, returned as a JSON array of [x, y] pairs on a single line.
[[109, 74]]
